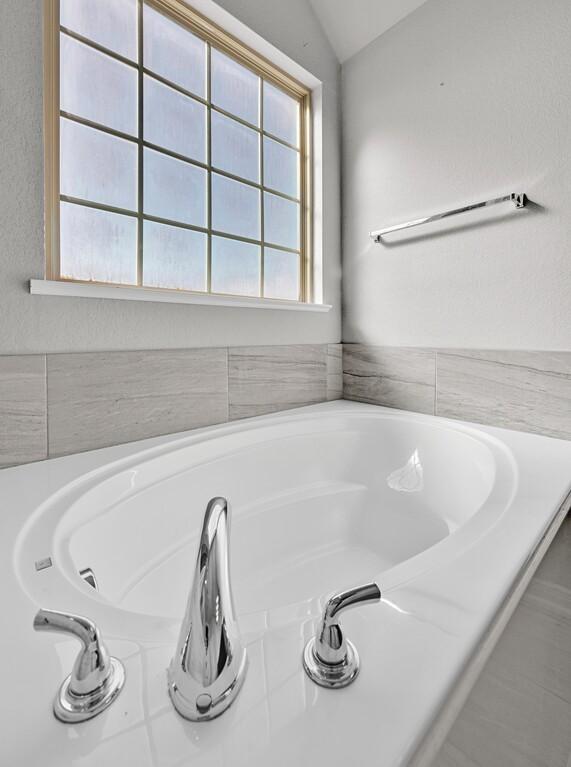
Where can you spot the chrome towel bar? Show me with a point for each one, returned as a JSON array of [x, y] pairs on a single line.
[[518, 198]]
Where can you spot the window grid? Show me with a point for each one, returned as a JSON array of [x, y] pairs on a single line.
[[301, 151], [140, 170]]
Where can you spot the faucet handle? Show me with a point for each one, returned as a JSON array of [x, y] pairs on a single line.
[[96, 678], [329, 658]]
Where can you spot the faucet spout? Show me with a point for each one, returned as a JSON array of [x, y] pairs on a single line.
[[209, 665]]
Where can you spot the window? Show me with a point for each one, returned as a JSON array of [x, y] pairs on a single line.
[[176, 158]]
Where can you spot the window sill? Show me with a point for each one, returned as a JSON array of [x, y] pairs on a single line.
[[125, 293]]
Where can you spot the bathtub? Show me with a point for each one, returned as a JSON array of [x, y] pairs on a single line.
[[450, 519]]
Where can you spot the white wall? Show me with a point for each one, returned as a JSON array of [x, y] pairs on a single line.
[[460, 101], [351, 26], [47, 324]]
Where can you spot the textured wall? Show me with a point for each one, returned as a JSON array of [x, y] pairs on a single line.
[[460, 101], [48, 324]]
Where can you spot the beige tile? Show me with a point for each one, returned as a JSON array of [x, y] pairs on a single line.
[[334, 371], [395, 377], [23, 422], [528, 391], [101, 399], [265, 379]]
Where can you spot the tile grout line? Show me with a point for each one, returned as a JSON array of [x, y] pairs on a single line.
[[47, 411], [436, 382], [227, 384]]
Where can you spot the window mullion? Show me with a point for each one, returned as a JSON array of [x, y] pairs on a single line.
[[140, 169], [262, 235], [174, 86], [98, 126], [236, 118], [97, 47], [282, 142], [98, 205], [209, 164]]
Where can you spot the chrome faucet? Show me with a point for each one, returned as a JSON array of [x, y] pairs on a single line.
[[330, 659], [96, 679], [209, 665]]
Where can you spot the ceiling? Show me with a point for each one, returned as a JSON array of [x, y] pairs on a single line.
[[351, 24]]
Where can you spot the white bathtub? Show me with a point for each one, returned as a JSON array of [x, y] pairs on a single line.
[[448, 518]]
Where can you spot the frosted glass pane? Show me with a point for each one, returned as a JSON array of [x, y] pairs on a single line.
[[281, 274], [281, 167], [235, 207], [174, 189], [235, 88], [281, 221], [174, 52], [111, 23], [97, 87], [97, 245], [174, 121], [97, 167], [235, 267], [235, 148], [174, 257], [281, 114]]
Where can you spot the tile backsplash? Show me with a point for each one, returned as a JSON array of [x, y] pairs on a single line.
[[57, 404], [96, 400], [528, 391], [265, 379], [523, 390], [23, 410], [395, 377]]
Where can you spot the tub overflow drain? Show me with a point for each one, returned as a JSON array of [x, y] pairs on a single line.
[[89, 577]]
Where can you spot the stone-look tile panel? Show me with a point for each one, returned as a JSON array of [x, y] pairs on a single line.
[[23, 419], [334, 372], [395, 377], [265, 379], [527, 391], [518, 712], [101, 399]]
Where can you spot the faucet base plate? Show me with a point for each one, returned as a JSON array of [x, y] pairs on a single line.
[[71, 708], [327, 674], [200, 704]]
